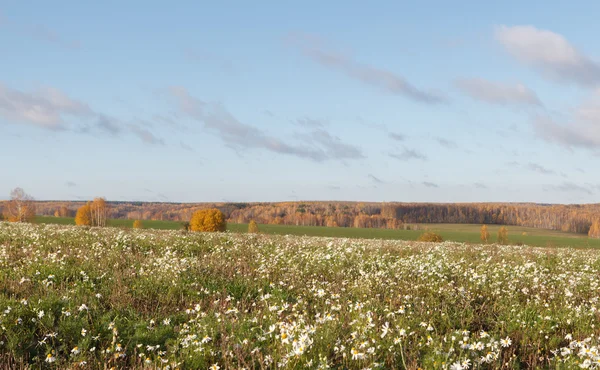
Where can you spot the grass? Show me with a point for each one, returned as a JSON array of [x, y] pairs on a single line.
[[100, 298], [465, 233]]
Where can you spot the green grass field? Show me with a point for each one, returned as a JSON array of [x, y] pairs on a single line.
[[110, 298], [455, 232]]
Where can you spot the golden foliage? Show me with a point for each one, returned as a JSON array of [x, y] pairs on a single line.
[[572, 218], [98, 212], [594, 229], [208, 220], [485, 234], [137, 224], [84, 215], [503, 235], [430, 237], [252, 227], [92, 213]]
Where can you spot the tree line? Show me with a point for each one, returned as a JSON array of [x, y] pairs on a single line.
[[571, 218]]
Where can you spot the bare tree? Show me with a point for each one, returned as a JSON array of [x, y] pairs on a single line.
[[21, 207]]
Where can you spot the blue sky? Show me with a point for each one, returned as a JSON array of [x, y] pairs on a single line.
[[236, 101]]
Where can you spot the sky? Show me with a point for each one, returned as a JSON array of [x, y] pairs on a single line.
[[430, 101]]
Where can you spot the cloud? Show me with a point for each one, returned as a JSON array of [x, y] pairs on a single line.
[[397, 137], [172, 122], [50, 108], [568, 187], [46, 107], [430, 184], [145, 135], [550, 53], [333, 146], [375, 179], [41, 33], [333, 187], [310, 122], [539, 169], [108, 124], [382, 79], [71, 184], [498, 93], [408, 154], [480, 185], [317, 145], [446, 143], [582, 128], [184, 146]]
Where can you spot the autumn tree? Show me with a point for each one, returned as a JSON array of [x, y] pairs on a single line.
[[84, 215], [98, 212], [137, 224], [21, 207], [208, 220], [503, 235], [62, 212], [594, 229], [252, 227], [430, 237], [485, 234]]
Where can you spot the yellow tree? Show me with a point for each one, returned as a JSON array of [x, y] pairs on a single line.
[[208, 220], [21, 207], [485, 234], [137, 224], [503, 235], [84, 215], [252, 227], [98, 212], [594, 229], [430, 237]]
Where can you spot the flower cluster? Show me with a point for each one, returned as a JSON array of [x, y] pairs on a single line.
[[102, 298]]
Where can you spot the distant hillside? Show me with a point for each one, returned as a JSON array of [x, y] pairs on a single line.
[[573, 218]]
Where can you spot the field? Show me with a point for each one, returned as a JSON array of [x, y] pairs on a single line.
[[121, 298], [463, 233]]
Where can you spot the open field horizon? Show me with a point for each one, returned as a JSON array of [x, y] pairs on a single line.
[[396, 185], [469, 233]]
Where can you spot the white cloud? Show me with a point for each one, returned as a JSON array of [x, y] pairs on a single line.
[[382, 79], [498, 93], [50, 108], [549, 52], [408, 154], [581, 130], [46, 107], [318, 145]]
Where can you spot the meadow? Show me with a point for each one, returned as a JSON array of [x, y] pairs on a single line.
[[464, 233], [99, 298]]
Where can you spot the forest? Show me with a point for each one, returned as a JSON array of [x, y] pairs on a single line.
[[571, 218]]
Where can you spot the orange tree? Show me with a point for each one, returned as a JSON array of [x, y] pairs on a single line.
[[84, 215], [208, 220]]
